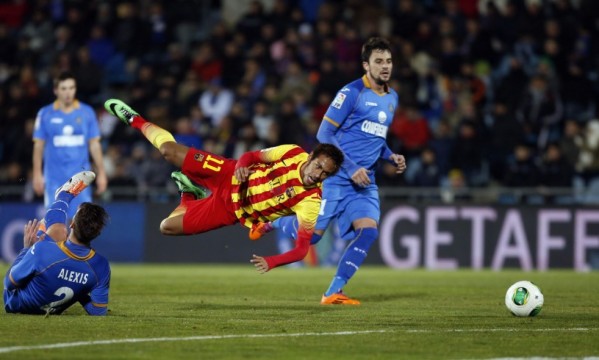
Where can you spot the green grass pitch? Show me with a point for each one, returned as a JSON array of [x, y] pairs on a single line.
[[231, 312]]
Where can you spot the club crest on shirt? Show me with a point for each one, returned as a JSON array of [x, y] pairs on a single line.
[[391, 108], [339, 99], [78, 120], [198, 157], [290, 192]]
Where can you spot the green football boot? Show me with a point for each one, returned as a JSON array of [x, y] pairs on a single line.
[[121, 110], [186, 186]]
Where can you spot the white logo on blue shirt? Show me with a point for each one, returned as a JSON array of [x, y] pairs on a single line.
[[370, 103], [56, 120], [382, 117]]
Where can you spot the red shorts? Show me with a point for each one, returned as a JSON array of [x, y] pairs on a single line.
[[214, 173]]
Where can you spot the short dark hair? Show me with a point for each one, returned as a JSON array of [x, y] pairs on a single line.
[[89, 222], [62, 76], [374, 43], [331, 151]]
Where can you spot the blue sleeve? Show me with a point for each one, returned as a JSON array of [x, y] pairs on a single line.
[[386, 154], [326, 134], [98, 300], [39, 132], [339, 110], [22, 270]]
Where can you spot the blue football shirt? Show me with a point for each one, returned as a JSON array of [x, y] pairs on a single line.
[[51, 276], [362, 117], [66, 149]]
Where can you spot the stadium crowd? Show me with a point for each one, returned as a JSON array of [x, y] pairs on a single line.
[[492, 92]]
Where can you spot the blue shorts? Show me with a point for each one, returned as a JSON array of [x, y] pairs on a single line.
[[348, 203]]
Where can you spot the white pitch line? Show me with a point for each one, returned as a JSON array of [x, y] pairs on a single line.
[[187, 338], [246, 336]]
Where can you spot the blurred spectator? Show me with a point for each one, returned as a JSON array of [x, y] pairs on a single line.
[[428, 174], [251, 21], [185, 134], [262, 120], [411, 129], [442, 144], [505, 133], [456, 187], [540, 112], [555, 169], [205, 63], [521, 171], [571, 141], [216, 102], [101, 48], [588, 162], [89, 76], [467, 154]]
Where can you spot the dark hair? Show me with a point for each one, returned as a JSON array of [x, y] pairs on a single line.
[[331, 151], [89, 222], [64, 75], [374, 43]]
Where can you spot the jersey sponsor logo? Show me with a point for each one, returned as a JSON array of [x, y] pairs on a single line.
[[373, 128], [345, 89], [370, 103], [68, 140], [56, 120], [382, 117], [339, 99], [73, 276]]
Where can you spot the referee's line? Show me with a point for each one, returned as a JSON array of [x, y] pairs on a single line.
[[253, 336]]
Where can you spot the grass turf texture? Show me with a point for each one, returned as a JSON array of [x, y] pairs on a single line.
[[417, 315]]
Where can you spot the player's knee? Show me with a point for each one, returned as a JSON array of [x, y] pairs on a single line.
[[167, 227], [367, 236], [168, 150]]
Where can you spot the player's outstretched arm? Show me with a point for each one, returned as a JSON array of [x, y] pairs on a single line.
[[299, 252]]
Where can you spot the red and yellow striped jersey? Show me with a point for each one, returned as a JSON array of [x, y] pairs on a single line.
[[275, 189]]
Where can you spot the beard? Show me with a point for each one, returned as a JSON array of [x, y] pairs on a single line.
[[378, 80]]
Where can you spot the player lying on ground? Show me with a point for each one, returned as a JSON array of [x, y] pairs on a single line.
[[57, 269], [259, 187]]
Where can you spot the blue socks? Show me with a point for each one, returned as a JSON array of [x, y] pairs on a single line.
[[352, 258], [57, 212]]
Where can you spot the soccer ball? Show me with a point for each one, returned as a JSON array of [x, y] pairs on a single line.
[[524, 299]]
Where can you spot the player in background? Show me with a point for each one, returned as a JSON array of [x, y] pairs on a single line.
[[66, 133], [357, 122], [259, 187], [57, 269]]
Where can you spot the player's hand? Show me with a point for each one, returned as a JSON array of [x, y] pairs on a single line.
[[361, 178], [242, 174], [260, 263], [29, 234], [400, 163]]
